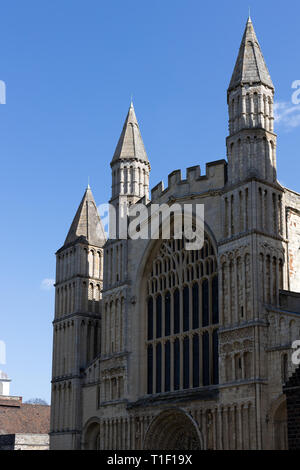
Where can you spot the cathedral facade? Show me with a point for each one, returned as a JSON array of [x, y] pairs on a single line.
[[162, 348]]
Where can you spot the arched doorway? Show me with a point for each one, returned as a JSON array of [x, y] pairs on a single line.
[[280, 427], [173, 430], [92, 436]]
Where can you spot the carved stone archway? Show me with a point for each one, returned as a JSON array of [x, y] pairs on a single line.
[[173, 429], [280, 427], [91, 435]]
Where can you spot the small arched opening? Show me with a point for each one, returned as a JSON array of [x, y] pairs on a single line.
[[279, 418], [91, 435]]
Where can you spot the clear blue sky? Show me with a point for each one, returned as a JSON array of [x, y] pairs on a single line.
[[70, 67]]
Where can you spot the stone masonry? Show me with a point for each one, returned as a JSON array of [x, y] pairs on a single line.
[[158, 347]]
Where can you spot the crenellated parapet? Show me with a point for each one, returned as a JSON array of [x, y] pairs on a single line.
[[194, 183]]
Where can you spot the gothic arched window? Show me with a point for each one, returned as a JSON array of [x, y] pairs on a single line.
[[158, 316], [205, 306], [186, 308], [150, 318], [182, 318], [176, 311], [195, 297], [167, 314]]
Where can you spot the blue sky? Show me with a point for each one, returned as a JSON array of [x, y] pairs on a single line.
[[70, 68]]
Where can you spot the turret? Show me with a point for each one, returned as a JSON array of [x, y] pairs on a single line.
[[130, 165], [78, 292], [251, 145]]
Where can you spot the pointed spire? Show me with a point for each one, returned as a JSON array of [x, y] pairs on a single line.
[[87, 222], [250, 66], [130, 145]]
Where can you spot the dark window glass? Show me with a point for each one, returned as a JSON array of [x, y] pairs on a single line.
[[186, 308], [195, 295], [285, 368], [150, 318], [176, 364], [158, 368], [176, 311], [167, 366], [158, 316], [196, 361], [205, 356], [215, 357], [186, 363], [215, 300], [167, 313], [205, 308], [150, 370]]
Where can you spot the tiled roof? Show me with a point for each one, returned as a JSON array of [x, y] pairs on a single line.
[[17, 417]]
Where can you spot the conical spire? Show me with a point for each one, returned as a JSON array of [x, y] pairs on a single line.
[[130, 145], [250, 66], [87, 222]]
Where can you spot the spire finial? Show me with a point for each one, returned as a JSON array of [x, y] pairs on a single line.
[[131, 101], [88, 186], [249, 15]]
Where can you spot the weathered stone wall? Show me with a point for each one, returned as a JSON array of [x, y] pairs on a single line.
[[253, 223], [24, 442], [292, 212]]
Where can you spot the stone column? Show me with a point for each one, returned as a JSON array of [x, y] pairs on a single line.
[[226, 428], [240, 427], [243, 268], [277, 282], [154, 367], [181, 362], [172, 363], [191, 361], [201, 358], [251, 110], [235, 291], [220, 426], [271, 280], [163, 372]]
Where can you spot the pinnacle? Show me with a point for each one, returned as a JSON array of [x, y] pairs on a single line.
[[130, 145], [87, 222], [250, 66]]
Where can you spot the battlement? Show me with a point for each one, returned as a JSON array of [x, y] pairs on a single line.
[[214, 178]]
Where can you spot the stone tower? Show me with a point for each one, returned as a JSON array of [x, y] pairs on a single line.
[[130, 169], [79, 277], [130, 183], [251, 252], [251, 145], [130, 165]]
